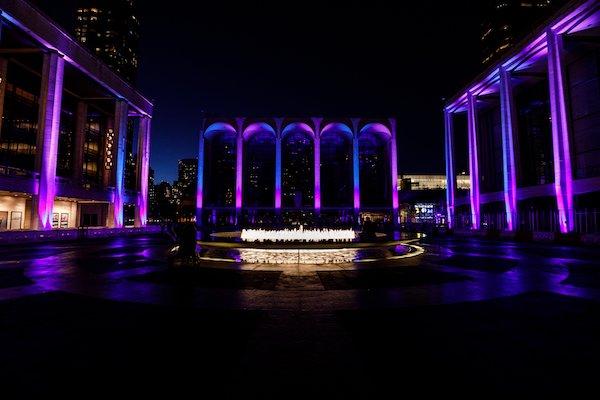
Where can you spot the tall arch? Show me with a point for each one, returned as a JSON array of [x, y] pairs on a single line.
[[259, 141], [219, 165], [374, 143], [336, 166], [298, 178]]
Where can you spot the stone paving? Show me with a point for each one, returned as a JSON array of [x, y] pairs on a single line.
[[469, 316]]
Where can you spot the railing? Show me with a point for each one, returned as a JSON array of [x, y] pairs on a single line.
[[587, 221]]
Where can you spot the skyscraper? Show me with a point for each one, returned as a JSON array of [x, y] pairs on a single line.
[[509, 21], [110, 29], [187, 177]]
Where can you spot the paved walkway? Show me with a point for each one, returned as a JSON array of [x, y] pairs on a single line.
[[469, 315]]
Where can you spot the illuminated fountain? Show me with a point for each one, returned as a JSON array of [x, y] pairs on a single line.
[[298, 235], [320, 247]]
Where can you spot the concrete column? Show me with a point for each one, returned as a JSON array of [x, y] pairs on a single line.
[[80, 124], [317, 163], [200, 181], [120, 134], [239, 169], [47, 140], [278, 170], [450, 170], [393, 151], [3, 74], [143, 171], [473, 161], [563, 177], [509, 126]]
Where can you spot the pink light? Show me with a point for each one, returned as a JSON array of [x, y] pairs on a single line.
[[50, 115], [508, 148], [563, 178], [451, 188], [473, 161]]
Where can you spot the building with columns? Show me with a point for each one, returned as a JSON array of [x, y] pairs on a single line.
[[63, 130], [528, 131], [261, 170]]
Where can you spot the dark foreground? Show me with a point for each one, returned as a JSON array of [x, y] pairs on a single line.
[[471, 317]]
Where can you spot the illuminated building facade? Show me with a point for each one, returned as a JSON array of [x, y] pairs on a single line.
[[509, 21], [422, 199], [260, 170], [527, 131], [63, 133], [110, 29]]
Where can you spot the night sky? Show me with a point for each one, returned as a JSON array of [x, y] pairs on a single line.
[[305, 58]]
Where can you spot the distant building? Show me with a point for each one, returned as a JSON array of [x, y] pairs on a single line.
[[184, 188], [164, 202], [431, 182], [110, 29], [423, 196], [509, 21]]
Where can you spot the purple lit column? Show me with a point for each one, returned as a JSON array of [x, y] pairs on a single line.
[[200, 180], [394, 170], [450, 172], [356, 171], [507, 109], [143, 163], [473, 160], [47, 139], [317, 164], [563, 178], [120, 134], [317, 171], [278, 171], [239, 165]]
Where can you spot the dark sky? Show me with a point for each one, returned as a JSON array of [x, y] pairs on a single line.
[[313, 58]]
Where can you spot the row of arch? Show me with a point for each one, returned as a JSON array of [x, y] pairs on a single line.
[[329, 157]]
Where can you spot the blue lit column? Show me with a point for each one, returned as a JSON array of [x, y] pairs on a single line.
[[450, 172], [507, 108], [563, 178], [143, 170], [356, 166], [200, 180], [356, 172], [47, 139], [120, 134], [394, 170], [473, 160]]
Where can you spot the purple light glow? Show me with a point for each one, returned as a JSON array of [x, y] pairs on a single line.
[[507, 108], [239, 165], [563, 178], [278, 172], [200, 182], [394, 169], [52, 87], [144, 157], [356, 172], [317, 167], [473, 161], [450, 175]]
